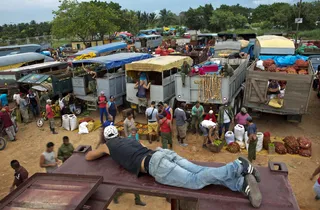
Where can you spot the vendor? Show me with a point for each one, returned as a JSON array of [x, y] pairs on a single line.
[[208, 129], [273, 89], [211, 117]]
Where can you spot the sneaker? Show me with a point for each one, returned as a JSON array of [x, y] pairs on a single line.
[[249, 169], [140, 203], [251, 189], [184, 144]]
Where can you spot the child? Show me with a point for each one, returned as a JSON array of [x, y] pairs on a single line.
[[134, 134]]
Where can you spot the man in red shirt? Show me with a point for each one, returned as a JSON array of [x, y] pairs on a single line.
[[7, 124], [20, 174], [316, 186], [211, 117], [102, 102], [50, 116]]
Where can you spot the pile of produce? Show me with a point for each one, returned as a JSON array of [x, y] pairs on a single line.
[[142, 128], [299, 67], [291, 145], [233, 147], [305, 146], [209, 88], [280, 148], [215, 146]]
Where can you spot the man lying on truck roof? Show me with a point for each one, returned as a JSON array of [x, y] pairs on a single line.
[[168, 168]]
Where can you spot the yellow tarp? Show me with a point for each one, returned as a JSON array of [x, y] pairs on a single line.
[[159, 64], [13, 66], [271, 41], [85, 56]]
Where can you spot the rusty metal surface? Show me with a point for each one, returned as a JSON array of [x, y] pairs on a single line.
[[52, 191], [275, 188]]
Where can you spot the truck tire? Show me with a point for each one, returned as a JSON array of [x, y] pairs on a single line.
[[3, 143], [294, 118], [78, 110]]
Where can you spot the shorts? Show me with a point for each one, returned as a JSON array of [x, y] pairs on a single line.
[[152, 127], [142, 102], [182, 130], [205, 131]]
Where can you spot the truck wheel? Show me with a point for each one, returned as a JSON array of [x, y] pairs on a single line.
[[3, 143], [78, 110]]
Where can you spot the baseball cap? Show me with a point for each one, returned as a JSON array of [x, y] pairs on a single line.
[[243, 110], [210, 112], [111, 97], [102, 92]]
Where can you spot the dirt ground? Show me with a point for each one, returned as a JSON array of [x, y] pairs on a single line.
[[32, 140]]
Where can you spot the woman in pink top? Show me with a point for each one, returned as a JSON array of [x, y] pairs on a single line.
[[241, 117]]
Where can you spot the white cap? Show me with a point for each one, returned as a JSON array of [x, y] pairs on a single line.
[[210, 112], [102, 92], [225, 100], [49, 101], [110, 132]]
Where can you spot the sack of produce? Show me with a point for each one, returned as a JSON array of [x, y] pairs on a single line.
[[280, 148], [83, 128], [260, 141], [305, 152], [233, 147], [66, 122], [259, 65], [291, 144], [73, 122], [268, 63], [229, 136], [266, 140], [239, 132], [86, 119], [304, 143]]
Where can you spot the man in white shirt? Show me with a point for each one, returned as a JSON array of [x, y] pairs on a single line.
[[16, 98], [208, 129], [152, 114]]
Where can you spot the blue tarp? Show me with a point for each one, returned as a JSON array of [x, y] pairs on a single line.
[[283, 61], [103, 48], [115, 60]]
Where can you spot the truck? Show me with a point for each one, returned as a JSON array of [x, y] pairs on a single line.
[[109, 77], [295, 88], [229, 87], [160, 71]]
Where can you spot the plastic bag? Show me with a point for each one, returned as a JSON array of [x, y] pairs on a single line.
[[260, 141], [73, 122], [260, 65], [229, 136], [83, 128], [66, 122]]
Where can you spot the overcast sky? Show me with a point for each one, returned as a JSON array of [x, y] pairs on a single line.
[[16, 11]]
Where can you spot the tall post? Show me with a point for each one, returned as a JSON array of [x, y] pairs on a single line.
[[299, 15]]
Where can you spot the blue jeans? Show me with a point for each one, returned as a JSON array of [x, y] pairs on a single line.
[[316, 188], [103, 111], [225, 126], [170, 169]]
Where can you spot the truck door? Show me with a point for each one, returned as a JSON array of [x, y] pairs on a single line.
[[256, 91]]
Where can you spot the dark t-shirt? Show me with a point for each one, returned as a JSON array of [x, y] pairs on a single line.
[[252, 129], [20, 176], [71, 100], [128, 153]]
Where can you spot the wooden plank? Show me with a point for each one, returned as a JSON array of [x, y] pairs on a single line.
[[256, 88]]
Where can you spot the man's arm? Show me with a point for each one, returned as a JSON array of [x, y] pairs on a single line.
[[316, 172], [98, 153], [136, 85], [147, 86], [43, 165]]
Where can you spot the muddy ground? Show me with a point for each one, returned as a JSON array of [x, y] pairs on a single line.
[[32, 140]]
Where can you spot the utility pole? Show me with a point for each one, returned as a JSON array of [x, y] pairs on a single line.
[[299, 15]]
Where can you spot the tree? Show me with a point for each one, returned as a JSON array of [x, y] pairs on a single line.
[[86, 20], [194, 19], [222, 20], [167, 18]]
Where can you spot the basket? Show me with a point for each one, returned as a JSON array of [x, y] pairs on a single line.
[[271, 149], [214, 148]]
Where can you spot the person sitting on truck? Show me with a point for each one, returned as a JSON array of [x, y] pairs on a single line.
[[273, 89], [225, 117], [168, 168], [185, 70], [316, 186], [211, 116], [208, 129], [142, 93], [197, 115]]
